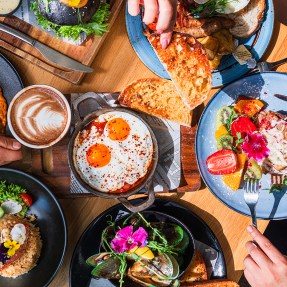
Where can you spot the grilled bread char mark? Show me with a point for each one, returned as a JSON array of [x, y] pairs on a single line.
[[186, 62]]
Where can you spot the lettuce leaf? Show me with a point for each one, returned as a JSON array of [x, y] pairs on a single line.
[[97, 25]]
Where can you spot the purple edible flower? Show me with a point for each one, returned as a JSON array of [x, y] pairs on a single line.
[[255, 146], [126, 239], [3, 254]]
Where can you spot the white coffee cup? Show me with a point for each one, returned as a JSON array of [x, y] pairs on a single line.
[[39, 116]]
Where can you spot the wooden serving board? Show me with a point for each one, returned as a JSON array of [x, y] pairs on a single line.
[[85, 53], [51, 165]]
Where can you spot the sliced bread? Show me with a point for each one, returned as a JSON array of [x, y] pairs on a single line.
[[157, 97], [186, 62], [248, 20], [196, 271], [213, 283]]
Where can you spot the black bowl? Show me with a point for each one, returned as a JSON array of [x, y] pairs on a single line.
[[53, 230]]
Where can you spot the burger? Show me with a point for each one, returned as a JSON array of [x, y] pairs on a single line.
[[71, 18]]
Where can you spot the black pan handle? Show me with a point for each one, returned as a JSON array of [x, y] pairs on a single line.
[[94, 96], [143, 205]]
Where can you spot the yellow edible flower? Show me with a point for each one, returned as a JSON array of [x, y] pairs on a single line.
[[13, 246]]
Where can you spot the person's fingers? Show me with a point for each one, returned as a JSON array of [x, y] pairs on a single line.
[[134, 7], [7, 156], [269, 249], [150, 11], [250, 264], [9, 143], [165, 39], [166, 18], [257, 254], [249, 275]]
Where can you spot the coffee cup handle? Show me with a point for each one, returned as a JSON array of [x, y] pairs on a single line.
[[94, 96], [143, 205]]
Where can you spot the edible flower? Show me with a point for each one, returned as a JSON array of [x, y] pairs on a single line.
[[126, 239], [255, 146], [13, 246], [3, 254]]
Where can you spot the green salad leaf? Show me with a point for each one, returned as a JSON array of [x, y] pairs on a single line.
[[213, 7], [12, 192], [97, 25]]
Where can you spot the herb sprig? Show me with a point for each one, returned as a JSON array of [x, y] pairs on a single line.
[[231, 118], [213, 7]]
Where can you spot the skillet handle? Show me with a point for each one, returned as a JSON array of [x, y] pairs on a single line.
[[93, 96], [143, 205]]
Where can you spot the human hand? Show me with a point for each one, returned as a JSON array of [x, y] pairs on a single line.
[[164, 10], [10, 150], [265, 265]]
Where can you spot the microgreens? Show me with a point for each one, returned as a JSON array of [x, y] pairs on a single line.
[[213, 7], [231, 118], [239, 138]]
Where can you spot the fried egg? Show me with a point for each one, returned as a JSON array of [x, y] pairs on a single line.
[[113, 152]]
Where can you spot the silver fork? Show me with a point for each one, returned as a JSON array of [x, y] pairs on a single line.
[[268, 66], [251, 195]]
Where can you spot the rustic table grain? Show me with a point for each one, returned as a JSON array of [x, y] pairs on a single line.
[[115, 66]]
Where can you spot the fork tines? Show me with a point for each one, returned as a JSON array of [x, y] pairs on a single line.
[[251, 185], [277, 178]]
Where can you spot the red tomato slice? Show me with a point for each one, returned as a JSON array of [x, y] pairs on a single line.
[[27, 199], [242, 125], [222, 162]]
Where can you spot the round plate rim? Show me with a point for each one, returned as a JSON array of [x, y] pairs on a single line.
[[119, 205], [60, 210], [197, 144]]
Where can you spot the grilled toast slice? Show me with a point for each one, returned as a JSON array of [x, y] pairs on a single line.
[[213, 283], [186, 62], [3, 112], [196, 272], [248, 20], [157, 97]]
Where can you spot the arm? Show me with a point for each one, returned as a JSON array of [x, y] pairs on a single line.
[[265, 266], [10, 150], [164, 10]]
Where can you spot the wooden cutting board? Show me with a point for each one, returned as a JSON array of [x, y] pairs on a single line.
[[51, 165], [85, 53]]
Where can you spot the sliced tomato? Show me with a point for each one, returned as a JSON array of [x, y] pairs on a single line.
[[242, 125], [27, 199], [222, 162], [248, 107]]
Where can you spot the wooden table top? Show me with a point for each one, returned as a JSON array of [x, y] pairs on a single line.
[[115, 66]]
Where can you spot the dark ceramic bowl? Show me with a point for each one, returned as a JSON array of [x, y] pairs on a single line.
[[13, 11], [53, 230]]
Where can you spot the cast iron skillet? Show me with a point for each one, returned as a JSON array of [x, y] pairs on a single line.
[[81, 123]]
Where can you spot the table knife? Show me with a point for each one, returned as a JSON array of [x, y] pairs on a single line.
[[49, 53], [281, 97]]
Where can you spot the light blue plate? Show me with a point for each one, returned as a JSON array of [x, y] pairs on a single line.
[[264, 86], [229, 69]]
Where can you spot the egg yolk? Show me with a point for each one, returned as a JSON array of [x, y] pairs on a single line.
[[98, 155], [118, 129]]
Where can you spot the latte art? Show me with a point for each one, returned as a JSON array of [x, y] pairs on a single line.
[[39, 116]]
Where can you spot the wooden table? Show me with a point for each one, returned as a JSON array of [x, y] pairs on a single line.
[[115, 66]]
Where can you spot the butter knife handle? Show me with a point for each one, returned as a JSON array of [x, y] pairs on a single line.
[[9, 30]]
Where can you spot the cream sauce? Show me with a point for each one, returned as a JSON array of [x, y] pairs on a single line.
[[7, 6]]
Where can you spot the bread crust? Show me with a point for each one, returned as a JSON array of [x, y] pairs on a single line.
[[157, 97], [186, 62], [248, 20], [213, 283]]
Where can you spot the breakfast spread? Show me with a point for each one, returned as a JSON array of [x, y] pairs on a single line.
[[250, 141], [156, 97], [3, 113], [113, 152]]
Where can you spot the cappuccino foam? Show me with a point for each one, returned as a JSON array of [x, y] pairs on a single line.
[[39, 116]]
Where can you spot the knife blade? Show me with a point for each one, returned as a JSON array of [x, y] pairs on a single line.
[[281, 97], [49, 53]]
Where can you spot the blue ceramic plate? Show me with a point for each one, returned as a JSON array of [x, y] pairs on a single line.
[[264, 86], [228, 71]]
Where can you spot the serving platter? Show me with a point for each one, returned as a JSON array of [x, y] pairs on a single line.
[[263, 86], [228, 70], [52, 224], [89, 242], [10, 81]]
